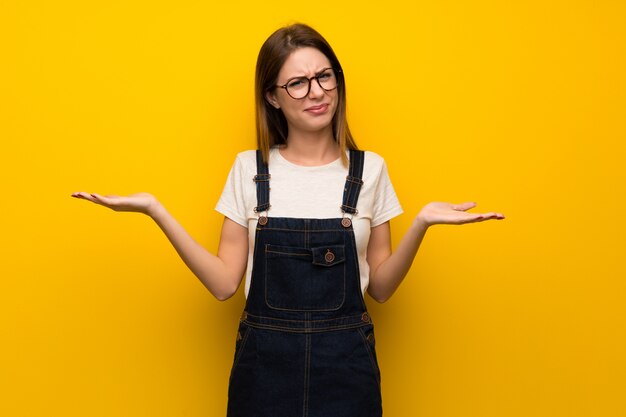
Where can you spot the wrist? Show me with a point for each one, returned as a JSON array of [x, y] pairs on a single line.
[[155, 209], [420, 223]]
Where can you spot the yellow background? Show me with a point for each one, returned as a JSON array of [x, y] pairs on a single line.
[[518, 106]]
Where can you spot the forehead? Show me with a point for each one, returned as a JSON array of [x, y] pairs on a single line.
[[303, 61]]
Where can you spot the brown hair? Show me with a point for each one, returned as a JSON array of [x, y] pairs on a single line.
[[271, 125]]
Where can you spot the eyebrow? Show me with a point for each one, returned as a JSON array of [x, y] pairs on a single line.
[[305, 76]]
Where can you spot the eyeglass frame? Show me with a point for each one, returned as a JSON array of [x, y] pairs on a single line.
[[316, 78]]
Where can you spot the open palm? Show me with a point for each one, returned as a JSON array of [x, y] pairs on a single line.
[[447, 213], [139, 202]]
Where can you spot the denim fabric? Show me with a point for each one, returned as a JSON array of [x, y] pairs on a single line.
[[353, 182], [305, 344]]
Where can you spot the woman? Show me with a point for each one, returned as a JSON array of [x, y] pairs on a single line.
[[310, 248]]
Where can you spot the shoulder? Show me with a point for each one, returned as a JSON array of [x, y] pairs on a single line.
[[373, 158], [246, 157], [245, 161], [243, 166], [373, 163]]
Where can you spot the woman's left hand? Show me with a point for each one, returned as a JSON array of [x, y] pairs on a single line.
[[447, 213]]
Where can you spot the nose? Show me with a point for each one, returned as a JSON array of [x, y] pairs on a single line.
[[316, 89]]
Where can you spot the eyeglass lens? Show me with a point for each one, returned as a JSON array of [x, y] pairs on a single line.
[[300, 87]]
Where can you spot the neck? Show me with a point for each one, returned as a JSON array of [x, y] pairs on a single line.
[[311, 148]]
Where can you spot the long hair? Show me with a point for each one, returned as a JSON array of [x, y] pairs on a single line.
[[271, 125]]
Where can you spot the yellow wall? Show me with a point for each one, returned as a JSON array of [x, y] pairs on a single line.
[[519, 107]]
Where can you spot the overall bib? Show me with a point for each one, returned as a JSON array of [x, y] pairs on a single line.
[[305, 345]]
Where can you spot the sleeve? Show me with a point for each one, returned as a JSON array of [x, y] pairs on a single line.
[[386, 203], [232, 201]]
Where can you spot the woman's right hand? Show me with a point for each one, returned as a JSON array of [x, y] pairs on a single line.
[[140, 202]]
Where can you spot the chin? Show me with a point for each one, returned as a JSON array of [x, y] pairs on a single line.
[[319, 127]]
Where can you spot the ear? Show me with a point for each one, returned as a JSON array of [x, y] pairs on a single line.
[[271, 98]]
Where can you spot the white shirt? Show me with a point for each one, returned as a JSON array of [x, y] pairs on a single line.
[[309, 192]]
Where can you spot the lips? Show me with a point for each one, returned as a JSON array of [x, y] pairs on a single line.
[[317, 109]]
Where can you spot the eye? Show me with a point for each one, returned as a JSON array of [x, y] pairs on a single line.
[[297, 83], [325, 75]]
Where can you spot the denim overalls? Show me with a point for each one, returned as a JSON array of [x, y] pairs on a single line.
[[305, 345]]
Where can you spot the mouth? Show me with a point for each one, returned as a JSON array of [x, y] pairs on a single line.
[[317, 109]]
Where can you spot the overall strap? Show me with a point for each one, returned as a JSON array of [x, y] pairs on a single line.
[[262, 180], [353, 182]]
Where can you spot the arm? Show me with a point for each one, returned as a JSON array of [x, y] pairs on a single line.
[[387, 269], [221, 274]]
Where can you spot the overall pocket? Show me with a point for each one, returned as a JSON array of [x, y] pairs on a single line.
[[305, 279], [367, 335], [240, 341]]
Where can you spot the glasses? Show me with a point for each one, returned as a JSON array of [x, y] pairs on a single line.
[[299, 87]]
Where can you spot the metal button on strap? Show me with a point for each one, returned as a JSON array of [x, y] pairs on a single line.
[[346, 222], [365, 317], [329, 257], [263, 220], [370, 337]]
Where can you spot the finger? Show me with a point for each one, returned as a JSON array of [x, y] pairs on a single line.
[[97, 198], [464, 206], [103, 197], [83, 195], [490, 216], [463, 218], [494, 215], [101, 200]]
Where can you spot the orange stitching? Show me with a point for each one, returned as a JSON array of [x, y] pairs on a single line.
[[306, 329], [302, 321]]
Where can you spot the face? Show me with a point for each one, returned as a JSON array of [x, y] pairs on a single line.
[[315, 111]]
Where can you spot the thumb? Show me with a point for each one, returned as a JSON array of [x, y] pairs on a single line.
[[464, 206]]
